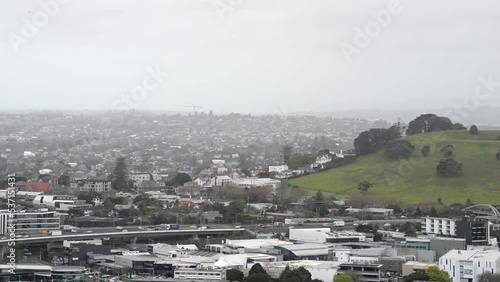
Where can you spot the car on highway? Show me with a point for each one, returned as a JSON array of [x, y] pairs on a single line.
[[150, 229], [90, 231], [119, 227], [124, 230], [73, 230], [193, 226], [237, 226], [140, 227]]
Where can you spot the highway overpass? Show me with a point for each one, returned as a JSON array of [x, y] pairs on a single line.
[[121, 234]]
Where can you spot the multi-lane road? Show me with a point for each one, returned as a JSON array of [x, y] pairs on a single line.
[[144, 231]]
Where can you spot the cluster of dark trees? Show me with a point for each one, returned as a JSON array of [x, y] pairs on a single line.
[[399, 149], [258, 274], [375, 139], [431, 123], [448, 167]]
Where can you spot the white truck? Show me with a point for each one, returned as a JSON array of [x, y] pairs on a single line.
[[339, 223]]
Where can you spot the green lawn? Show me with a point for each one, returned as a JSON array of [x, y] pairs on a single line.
[[414, 180]]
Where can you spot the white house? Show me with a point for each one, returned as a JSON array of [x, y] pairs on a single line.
[[278, 168], [220, 181]]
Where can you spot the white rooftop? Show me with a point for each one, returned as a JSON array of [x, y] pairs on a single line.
[[256, 243]]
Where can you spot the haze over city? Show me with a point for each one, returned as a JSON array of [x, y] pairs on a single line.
[[251, 57]]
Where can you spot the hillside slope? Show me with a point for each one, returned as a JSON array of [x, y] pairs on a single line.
[[415, 180]]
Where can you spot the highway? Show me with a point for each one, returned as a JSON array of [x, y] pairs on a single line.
[[143, 231], [120, 234]]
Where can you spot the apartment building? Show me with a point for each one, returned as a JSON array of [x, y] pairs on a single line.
[[91, 185], [475, 231], [29, 221]]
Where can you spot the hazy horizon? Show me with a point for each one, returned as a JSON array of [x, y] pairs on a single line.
[[272, 57]]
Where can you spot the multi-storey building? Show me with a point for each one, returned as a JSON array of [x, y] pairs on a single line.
[[29, 221], [467, 265], [91, 185], [475, 231]]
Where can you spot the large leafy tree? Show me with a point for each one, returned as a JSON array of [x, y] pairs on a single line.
[[448, 150], [426, 151], [257, 274], [438, 275], [399, 149], [234, 275], [364, 186], [430, 123], [375, 139], [119, 178], [179, 179], [416, 276], [473, 129], [342, 277], [449, 168]]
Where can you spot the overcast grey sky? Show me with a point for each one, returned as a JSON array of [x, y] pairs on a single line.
[[259, 56]]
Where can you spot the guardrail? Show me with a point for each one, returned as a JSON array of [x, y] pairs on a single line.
[[120, 234]]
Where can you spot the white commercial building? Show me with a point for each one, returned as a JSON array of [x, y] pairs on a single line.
[[466, 265], [322, 270], [256, 182], [60, 202], [29, 221], [324, 235], [191, 274], [278, 168]]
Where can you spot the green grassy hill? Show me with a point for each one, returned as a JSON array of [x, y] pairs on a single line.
[[415, 180]]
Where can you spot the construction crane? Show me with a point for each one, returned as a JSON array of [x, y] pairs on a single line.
[[193, 106]]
